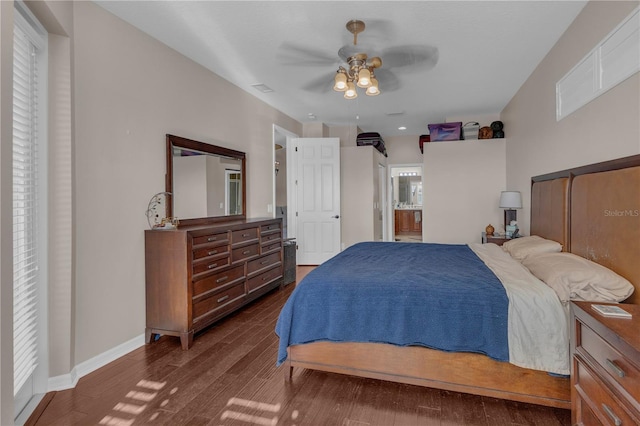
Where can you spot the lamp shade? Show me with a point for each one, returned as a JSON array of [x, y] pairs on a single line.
[[350, 93], [373, 89], [340, 82], [510, 200]]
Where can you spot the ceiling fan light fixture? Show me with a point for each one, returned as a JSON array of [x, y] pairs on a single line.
[[340, 81], [373, 90], [350, 93], [364, 78], [359, 68]]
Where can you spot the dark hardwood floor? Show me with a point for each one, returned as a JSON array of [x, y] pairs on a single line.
[[229, 377]]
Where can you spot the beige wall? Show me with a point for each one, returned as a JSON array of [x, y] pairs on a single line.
[[461, 185], [130, 91], [347, 134], [606, 128], [403, 149], [359, 192]]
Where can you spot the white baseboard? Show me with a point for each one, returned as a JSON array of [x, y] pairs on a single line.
[[68, 381]]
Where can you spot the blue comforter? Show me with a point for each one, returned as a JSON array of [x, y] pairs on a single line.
[[436, 295]]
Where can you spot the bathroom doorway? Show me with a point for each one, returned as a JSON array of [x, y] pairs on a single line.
[[407, 204]]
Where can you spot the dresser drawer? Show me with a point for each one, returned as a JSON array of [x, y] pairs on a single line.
[[210, 264], [216, 250], [217, 302], [270, 227], [216, 281], [271, 247], [599, 399], [214, 237], [244, 235], [244, 252], [263, 262], [263, 279], [586, 416], [614, 363], [269, 238]]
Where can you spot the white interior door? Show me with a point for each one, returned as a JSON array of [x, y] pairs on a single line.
[[317, 186]]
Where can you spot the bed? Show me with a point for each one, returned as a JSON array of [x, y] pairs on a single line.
[[591, 211]]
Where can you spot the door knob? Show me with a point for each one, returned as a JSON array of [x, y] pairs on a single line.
[[336, 217]]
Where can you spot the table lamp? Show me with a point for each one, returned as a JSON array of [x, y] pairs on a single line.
[[510, 200]]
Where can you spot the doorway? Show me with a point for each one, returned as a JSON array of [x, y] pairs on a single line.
[[407, 203], [281, 138]]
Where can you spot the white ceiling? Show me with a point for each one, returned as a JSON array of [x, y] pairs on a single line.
[[485, 51]]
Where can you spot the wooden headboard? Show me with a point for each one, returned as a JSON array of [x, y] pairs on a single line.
[[605, 221], [550, 210], [594, 211]]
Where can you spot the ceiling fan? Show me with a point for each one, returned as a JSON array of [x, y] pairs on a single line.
[[356, 62], [360, 70]]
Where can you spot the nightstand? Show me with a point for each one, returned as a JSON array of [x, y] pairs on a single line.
[[496, 240], [605, 366]]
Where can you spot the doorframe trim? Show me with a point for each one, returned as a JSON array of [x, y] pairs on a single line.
[[288, 136], [390, 209]]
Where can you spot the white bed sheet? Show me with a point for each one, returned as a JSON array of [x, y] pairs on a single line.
[[538, 321]]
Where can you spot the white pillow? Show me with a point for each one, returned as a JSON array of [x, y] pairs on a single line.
[[520, 248], [576, 278]]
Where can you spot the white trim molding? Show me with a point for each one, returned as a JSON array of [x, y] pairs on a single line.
[[69, 381]]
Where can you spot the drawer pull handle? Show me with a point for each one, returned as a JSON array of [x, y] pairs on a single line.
[[246, 235], [219, 280], [246, 252], [212, 252], [211, 239], [616, 420], [265, 278], [615, 367], [264, 262], [213, 265], [223, 298]]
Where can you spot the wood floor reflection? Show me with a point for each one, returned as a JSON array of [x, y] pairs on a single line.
[[229, 377]]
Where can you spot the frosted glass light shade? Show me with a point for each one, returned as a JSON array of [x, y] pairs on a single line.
[[340, 82], [510, 200], [373, 89], [350, 93], [364, 78]]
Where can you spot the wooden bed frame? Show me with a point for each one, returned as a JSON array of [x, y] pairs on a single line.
[[577, 207]]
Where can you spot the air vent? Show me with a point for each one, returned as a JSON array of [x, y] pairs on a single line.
[[262, 88]]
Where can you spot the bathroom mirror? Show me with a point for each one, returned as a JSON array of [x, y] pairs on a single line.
[[410, 190], [207, 183]]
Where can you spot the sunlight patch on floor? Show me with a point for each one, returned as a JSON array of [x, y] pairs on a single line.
[[252, 405], [137, 401]]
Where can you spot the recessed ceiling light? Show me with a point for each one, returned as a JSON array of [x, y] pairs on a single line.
[[402, 128], [262, 87]]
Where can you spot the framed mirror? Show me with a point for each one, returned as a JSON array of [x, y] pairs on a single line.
[[206, 183]]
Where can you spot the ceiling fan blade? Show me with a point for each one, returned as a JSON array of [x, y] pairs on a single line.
[[291, 54], [387, 80], [349, 50], [405, 56], [322, 84]]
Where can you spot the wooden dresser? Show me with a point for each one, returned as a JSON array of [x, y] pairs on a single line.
[[605, 372], [196, 275]]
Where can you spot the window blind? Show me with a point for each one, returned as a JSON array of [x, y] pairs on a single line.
[[25, 207], [613, 60]]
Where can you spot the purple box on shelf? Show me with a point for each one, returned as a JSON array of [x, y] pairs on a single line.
[[446, 131]]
